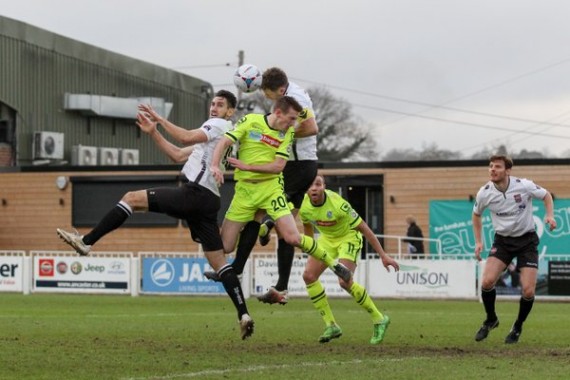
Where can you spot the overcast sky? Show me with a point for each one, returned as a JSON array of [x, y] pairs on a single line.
[[463, 74]]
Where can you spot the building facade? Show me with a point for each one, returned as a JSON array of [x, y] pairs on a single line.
[[62, 100]]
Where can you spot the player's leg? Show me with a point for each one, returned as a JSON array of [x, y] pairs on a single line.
[[230, 280], [528, 284], [202, 218], [242, 210], [285, 257], [318, 297], [493, 269], [131, 201], [248, 237], [348, 253], [288, 228], [230, 234], [527, 263], [298, 177]]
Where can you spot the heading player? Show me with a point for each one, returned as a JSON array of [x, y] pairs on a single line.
[[264, 147]]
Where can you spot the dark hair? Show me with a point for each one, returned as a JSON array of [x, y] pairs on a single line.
[[284, 103], [500, 157], [273, 79], [229, 96]]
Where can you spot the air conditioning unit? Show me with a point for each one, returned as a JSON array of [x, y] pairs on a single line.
[[129, 156], [48, 145], [108, 156], [82, 155]]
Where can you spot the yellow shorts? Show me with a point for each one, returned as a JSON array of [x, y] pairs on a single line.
[[265, 195], [348, 248]]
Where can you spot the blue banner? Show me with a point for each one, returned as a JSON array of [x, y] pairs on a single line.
[[178, 275]]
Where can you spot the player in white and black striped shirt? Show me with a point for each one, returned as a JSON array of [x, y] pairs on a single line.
[[197, 202]]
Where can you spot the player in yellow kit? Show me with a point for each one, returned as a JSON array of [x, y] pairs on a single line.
[[264, 147], [340, 234]]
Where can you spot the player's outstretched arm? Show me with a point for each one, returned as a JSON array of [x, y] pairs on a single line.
[[369, 235], [148, 126], [183, 136]]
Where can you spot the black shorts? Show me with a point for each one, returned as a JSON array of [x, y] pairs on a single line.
[[298, 176], [524, 248], [196, 205]]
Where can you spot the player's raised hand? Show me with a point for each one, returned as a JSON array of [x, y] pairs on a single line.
[[145, 123], [147, 109]]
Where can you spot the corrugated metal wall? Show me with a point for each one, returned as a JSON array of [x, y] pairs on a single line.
[[38, 67]]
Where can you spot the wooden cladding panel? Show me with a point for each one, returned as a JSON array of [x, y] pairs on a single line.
[[32, 207]]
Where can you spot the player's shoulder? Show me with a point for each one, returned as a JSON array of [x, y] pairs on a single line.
[[488, 187], [331, 194], [527, 184], [299, 94], [523, 181], [334, 197], [249, 118], [217, 122]]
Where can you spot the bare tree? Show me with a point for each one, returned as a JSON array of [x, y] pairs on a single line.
[[342, 135], [429, 152]]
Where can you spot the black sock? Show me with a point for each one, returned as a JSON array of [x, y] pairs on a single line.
[[232, 285], [113, 220], [285, 256], [247, 239], [525, 306], [489, 297]]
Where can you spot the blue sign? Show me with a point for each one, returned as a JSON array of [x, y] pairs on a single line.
[[178, 275]]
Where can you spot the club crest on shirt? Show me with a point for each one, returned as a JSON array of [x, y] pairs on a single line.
[[518, 198]]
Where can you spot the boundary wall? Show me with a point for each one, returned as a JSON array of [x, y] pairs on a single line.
[[177, 273]]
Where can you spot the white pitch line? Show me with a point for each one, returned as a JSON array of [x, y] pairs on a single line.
[[264, 368]]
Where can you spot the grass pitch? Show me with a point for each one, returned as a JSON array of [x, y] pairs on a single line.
[[45, 336]]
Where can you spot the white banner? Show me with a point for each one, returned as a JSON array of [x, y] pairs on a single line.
[[424, 279], [265, 275], [11, 273], [82, 274]]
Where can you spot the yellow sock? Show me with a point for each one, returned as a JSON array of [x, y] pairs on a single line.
[[320, 302], [310, 246], [362, 298]]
